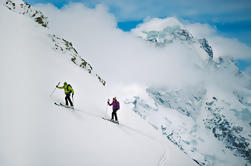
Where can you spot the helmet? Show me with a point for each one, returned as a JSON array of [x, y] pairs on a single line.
[[65, 83]]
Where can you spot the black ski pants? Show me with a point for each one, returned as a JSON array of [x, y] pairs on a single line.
[[114, 114], [68, 98]]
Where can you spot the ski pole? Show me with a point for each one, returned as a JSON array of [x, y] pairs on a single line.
[[54, 89], [106, 109]]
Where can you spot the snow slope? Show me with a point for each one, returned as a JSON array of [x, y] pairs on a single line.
[[34, 131]]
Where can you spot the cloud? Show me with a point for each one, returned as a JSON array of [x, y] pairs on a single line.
[[221, 46], [122, 59], [207, 10], [248, 70], [181, 8], [117, 55], [201, 30]]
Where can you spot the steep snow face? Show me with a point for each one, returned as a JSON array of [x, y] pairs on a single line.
[[211, 128], [59, 44], [161, 32], [34, 131]]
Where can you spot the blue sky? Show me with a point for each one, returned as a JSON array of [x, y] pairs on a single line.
[[232, 19]]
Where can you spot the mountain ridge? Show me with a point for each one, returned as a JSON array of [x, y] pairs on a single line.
[[59, 44]]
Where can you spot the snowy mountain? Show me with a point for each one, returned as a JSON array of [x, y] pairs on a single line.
[[210, 120], [34, 131], [162, 32], [58, 44], [26, 9]]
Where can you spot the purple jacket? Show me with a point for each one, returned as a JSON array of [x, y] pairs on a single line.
[[114, 104]]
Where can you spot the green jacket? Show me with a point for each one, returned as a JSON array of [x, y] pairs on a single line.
[[67, 89]]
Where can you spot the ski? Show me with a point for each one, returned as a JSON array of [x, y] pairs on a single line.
[[111, 120], [62, 105]]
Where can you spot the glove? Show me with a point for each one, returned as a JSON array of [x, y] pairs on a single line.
[[56, 86]]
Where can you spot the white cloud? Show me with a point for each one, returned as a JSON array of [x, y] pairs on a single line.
[[122, 58], [230, 47], [221, 46], [248, 70], [118, 55], [201, 30], [207, 9]]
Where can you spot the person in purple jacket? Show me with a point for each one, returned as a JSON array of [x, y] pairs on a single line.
[[115, 108]]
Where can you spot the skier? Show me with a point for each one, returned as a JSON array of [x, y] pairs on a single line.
[[68, 90], [115, 108]]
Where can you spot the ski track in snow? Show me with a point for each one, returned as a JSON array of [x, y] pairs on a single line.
[[163, 160], [123, 127], [136, 131]]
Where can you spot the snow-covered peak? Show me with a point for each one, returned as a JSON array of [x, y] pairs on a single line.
[[209, 121], [15, 1], [158, 24], [162, 32], [24, 8]]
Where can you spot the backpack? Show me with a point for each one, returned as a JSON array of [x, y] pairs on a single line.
[[117, 105], [68, 87]]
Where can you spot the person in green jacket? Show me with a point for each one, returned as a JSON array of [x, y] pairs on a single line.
[[68, 90]]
